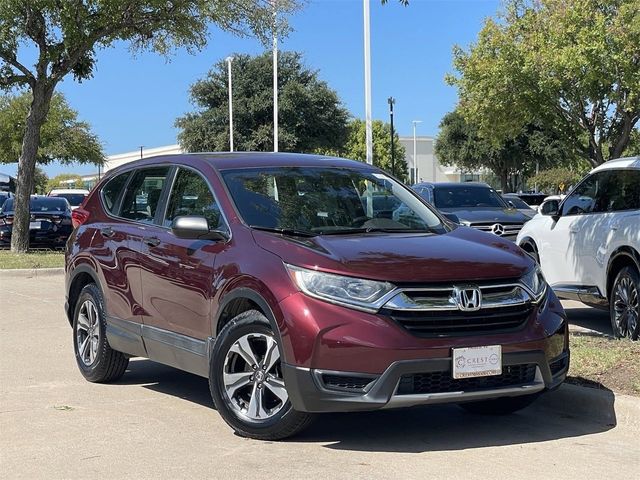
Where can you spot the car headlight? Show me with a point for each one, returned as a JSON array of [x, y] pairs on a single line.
[[358, 293], [535, 282]]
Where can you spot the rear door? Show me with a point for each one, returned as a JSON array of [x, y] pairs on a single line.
[[118, 245]]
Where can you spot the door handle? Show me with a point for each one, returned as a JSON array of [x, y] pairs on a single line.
[[573, 229], [107, 232], [151, 241]]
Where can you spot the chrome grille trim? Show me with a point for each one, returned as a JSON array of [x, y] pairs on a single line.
[[442, 298]]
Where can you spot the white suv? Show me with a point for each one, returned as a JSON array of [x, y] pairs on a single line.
[[588, 244]]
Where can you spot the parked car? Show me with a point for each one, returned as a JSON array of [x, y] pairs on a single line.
[[588, 244], [265, 274], [514, 201], [4, 196], [534, 200], [75, 196], [474, 204], [49, 226]]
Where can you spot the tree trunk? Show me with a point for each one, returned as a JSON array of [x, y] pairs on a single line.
[[42, 93], [504, 181]]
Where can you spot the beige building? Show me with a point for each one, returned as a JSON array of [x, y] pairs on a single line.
[[427, 166], [114, 161]]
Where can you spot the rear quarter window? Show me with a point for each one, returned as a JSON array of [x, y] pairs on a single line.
[[112, 190]]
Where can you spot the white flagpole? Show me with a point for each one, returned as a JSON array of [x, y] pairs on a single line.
[[367, 83], [275, 79]]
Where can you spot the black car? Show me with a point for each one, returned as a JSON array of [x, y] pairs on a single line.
[[3, 197], [514, 200], [476, 205], [49, 223]]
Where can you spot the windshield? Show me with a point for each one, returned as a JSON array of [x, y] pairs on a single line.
[[74, 199], [467, 197], [321, 200], [41, 204]]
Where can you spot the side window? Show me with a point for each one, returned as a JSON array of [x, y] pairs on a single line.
[[625, 191], [587, 196], [143, 194], [191, 196], [111, 192]]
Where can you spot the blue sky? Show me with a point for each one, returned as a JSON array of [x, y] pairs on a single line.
[[134, 100]]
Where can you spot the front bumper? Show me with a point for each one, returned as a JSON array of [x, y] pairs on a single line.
[[309, 393]]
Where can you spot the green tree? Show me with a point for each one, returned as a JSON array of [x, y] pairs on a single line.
[[67, 35], [556, 180], [569, 65], [311, 115], [62, 136], [40, 181], [356, 148], [62, 181], [461, 143]]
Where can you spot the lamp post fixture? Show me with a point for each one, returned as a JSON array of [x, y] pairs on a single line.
[[391, 102], [416, 178], [229, 60]]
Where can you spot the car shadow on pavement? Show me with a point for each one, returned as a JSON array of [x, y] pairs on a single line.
[[164, 379], [591, 318], [568, 412]]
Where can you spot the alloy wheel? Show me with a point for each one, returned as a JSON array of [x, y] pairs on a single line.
[[252, 377], [626, 306], [88, 333]]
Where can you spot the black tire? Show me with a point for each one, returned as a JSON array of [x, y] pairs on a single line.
[[626, 279], [107, 364], [286, 421], [499, 406]]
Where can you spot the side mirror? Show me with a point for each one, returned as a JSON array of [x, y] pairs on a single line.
[[451, 216], [195, 228], [510, 203], [550, 208]]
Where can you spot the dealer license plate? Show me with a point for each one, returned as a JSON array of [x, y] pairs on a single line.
[[477, 361]]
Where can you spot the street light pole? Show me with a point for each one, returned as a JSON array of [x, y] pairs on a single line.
[[275, 78], [367, 83], [229, 60], [391, 101], [415, 152]]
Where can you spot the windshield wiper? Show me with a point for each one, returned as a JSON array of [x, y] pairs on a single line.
[[350, 231], [285, 231]]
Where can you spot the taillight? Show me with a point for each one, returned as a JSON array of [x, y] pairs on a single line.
[[79, 216]]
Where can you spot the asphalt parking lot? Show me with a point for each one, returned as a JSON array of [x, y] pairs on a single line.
[[158, 422]]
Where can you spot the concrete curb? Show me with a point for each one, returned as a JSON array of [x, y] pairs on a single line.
[[31, 272]]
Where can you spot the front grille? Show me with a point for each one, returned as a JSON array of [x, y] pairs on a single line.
[[508, 229], [444, 323], [443, 382], [346, 382]]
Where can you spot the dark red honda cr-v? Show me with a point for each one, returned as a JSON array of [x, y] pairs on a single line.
[[274, 276]]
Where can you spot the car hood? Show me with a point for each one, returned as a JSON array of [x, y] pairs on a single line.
[[463, 254], [496, 215]]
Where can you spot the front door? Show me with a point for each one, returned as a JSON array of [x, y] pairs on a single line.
[[570, 246], [177, 275]]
